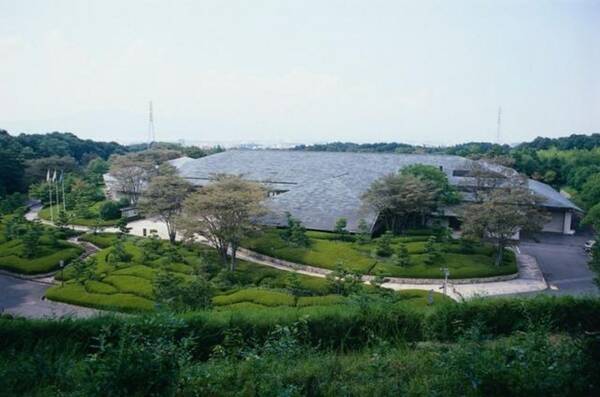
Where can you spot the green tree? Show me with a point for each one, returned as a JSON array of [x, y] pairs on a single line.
[[590, 191], [295, 233], [164, 199], [432, 252], [594, 262], [62, 221], [384, 244], [178, 295], [340, 228], [122, 226], [31, 239], [402, 257], [118, 254], [132, 172], [82, 269], [592, 217], [401, 200], [109, 210], [503, 214], [224, 212], [363, 234], [446, 193], [342, 282], [295, 285]]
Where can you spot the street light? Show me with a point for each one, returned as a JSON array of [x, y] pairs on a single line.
[[446, 273]]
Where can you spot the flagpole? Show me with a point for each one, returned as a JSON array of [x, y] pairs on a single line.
[[57, 196], [62, 180], [50, 194]]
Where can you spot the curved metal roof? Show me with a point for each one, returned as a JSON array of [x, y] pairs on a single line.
[[321, 187]]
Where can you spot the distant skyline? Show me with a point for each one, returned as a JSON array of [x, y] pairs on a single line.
[[421, 72]]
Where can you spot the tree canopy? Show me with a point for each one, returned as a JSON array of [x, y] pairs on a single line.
[[401, 200], [501, 215], [224, 212], [164, 198]]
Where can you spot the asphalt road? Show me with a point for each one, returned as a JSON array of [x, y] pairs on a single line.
[[563, 262], [24, 298]]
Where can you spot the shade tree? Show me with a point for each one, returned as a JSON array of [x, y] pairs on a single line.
[[401, 200], [224, 212], [501, 216], [164, 199]]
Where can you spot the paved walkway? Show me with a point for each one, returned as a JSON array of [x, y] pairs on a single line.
[[24, 298]]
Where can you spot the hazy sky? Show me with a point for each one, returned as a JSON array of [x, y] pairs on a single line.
[[301, 71]]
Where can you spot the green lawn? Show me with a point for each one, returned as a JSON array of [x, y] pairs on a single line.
[[47, 259], [327, 252], [95, 208], [128, 286]]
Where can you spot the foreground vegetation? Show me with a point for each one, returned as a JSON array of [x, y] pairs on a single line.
[[329, 251], [542, 346], [124, 275]]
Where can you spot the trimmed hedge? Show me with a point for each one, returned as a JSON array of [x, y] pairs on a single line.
[[77, 294], [101, 240], [131, 284], [256, 295], [98, 287], [43, 264]]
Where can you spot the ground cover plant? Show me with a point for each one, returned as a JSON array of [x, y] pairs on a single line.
[[365, 349], [29, 248], [328, 250], [142, 274]]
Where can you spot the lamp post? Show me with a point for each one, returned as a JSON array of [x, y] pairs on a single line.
[[446, 273]]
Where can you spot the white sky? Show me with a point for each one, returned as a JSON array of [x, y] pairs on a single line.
[[301, 71]]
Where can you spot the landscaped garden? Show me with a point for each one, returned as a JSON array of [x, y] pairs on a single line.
[[125, 276], [418, 254], [30, 248]]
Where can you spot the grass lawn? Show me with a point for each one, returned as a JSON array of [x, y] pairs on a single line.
[[128, 286], [48, 258], [95, 208], [327, 252]]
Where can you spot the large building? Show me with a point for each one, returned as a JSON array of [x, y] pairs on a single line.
[[320, 187]]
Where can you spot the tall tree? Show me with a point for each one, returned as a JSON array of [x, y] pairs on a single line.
[[401, 200], [132, 173], [501, 215], [447, 194], [224, 212], [164, 199]]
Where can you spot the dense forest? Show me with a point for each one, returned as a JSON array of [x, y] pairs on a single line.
[[25, 158]]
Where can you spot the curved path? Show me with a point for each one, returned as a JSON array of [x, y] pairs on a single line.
[[22, 297]]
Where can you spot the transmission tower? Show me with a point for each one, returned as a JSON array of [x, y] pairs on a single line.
[[499, 125], [151, 132]]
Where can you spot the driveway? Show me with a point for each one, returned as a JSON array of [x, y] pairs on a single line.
[[563, 262], [24, 298]]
